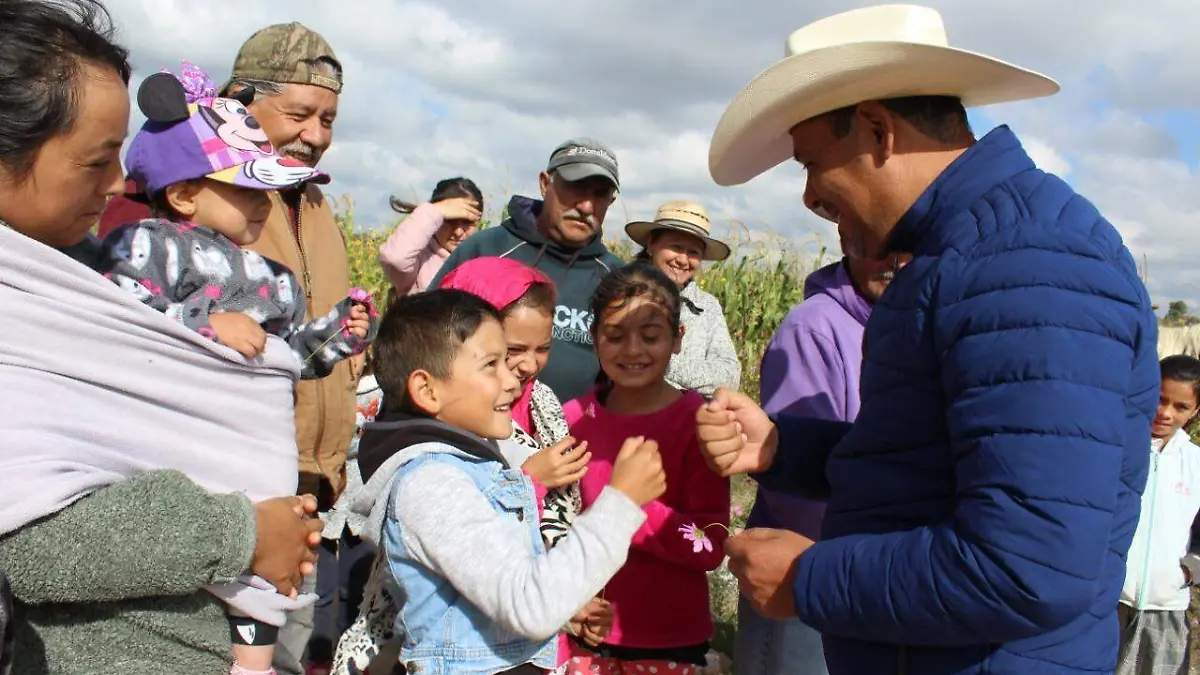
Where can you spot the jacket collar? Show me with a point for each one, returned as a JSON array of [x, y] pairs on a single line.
[[927, 226], [1176, 443]]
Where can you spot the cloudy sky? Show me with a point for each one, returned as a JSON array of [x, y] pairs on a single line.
[[486, 89]]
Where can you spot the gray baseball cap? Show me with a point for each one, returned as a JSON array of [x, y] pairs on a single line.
[[581, 158]]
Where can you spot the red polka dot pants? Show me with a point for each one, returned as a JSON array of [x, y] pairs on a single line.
[[588, 664]]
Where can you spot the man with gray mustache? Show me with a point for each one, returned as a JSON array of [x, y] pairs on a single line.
[[561, 235]]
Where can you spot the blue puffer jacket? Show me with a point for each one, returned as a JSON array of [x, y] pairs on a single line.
[[981, 506]]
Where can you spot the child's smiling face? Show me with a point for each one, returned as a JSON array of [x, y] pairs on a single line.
[[479, 394], [528, 332], [635, 341]]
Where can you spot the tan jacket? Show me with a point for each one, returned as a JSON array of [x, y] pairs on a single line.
[[325, 407]]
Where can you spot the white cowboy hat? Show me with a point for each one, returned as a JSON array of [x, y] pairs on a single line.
[[687, 217], [868, 54]]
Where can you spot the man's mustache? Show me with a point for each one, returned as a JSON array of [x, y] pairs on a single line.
[[573, 214], [299, 148]]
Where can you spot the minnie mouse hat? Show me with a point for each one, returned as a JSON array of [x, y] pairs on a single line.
[[191, 133]]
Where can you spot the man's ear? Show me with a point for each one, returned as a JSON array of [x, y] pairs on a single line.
[[544, 182], [879, 125], [423, 392], [181, 197]]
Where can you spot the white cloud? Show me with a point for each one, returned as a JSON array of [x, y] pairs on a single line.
[[486, 90], [1046, 157]]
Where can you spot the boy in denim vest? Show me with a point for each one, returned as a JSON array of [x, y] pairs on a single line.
[[455, 518]]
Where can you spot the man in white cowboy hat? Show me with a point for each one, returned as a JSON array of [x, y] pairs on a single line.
[[676, 242], [981, 505]]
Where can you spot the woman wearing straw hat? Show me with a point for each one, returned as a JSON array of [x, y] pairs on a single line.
[[676, 242]]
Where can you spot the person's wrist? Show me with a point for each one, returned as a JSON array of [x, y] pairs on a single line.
[[770, 446]]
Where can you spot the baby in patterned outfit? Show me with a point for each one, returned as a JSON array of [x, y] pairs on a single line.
[[207, 166]]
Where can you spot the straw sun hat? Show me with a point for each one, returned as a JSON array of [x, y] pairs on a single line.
[[868, 54], [681, 216]]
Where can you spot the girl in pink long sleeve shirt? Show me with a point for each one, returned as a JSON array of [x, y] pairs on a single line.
[[661, 619], [416, 249]]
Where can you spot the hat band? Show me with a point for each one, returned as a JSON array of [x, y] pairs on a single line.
[[682, 225]]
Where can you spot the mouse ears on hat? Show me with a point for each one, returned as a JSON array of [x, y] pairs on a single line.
[[161, 99], [164, 98]]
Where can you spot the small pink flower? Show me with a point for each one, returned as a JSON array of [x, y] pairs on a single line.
[[699, 539], [360, 297], [737, 511]]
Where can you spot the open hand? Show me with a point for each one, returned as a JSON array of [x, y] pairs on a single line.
[[735, 435], [239, 332], [764, 562], [560, 464], [459, 208]]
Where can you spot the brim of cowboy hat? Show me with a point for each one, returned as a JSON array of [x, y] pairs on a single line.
[[639, 232], [753, 135]]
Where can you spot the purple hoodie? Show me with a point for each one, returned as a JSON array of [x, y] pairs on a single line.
[[811, 368]]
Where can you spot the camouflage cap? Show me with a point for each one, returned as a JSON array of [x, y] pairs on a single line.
[[286, 53]]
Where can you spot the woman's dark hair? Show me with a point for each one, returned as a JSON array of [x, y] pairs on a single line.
[[636, 280], [540, 296], [44, 45], [445, 189], [644, 254], [1182, 368]]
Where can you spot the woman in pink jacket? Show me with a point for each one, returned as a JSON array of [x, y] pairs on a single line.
[[416, 249]]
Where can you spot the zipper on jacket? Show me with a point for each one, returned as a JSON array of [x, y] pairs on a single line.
[[306, 276], [1141, 599]]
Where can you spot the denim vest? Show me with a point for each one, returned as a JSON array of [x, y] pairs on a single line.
[[442, 633]]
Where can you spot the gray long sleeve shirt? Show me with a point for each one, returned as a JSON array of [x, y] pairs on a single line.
[[448, 521], [707, 359]]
